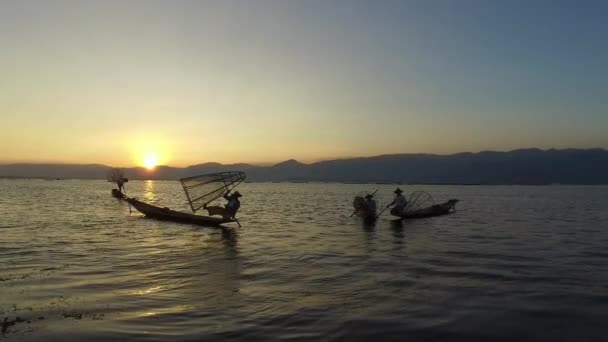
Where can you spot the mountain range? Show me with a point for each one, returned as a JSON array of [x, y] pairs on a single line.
[[523, 166]]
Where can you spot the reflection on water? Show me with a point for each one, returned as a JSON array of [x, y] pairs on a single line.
[[230, 237], [397, 225], [148, 290], [149, 195], [516, 262], [398, 229], [368, 225]]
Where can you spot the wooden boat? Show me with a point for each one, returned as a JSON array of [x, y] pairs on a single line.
[[176, 216], [200, 190], [433, 210]]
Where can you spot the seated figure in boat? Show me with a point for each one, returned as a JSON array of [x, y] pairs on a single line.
[[399, 203], [370, 204], [229, 210]]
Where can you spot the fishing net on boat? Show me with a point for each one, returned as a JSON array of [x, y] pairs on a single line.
[[418, 200], [358, 202], [203, 189]]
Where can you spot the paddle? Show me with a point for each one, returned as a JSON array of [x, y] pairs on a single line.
[[354, 212], [383, 210], [129, 204]]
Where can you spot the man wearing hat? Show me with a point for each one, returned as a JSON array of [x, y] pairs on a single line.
[[233, 203], [370, 203], [399, 202], [228, 211]]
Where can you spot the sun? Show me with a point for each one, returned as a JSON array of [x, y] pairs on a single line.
[[150, 161]]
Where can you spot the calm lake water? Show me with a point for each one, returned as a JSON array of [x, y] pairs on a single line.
[[513, 263]]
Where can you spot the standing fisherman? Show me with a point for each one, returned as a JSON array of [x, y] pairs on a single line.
[[121, 184], [371, 205]]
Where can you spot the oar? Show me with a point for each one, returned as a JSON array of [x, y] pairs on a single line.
[[383, 210], [354, 212], [129, 204]]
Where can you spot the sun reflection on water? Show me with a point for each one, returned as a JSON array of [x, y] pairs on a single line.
[[176, 309], [149, 195], [148, 290]]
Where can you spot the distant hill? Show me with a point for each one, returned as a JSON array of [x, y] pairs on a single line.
[[525, 166]]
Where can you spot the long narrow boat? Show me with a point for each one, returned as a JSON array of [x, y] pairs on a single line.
[[433, 210], [172, 215], [200, 191]]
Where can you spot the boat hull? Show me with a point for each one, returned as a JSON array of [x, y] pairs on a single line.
[[434, 210], [167, 214]]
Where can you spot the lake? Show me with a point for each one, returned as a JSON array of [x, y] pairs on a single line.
[[512, 263]]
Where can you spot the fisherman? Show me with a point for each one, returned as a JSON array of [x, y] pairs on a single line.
[[233, 204], [121, 183], [370, 203], [228, 211], [399, 203]]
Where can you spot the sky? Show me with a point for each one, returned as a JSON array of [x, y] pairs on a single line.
[[186, 82]]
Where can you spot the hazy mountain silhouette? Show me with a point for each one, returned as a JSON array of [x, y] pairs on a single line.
[[525, 166]]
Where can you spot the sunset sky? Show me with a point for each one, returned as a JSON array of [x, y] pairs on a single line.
[[186, 82]]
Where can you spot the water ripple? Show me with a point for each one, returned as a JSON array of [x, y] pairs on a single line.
[[514, 263]]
